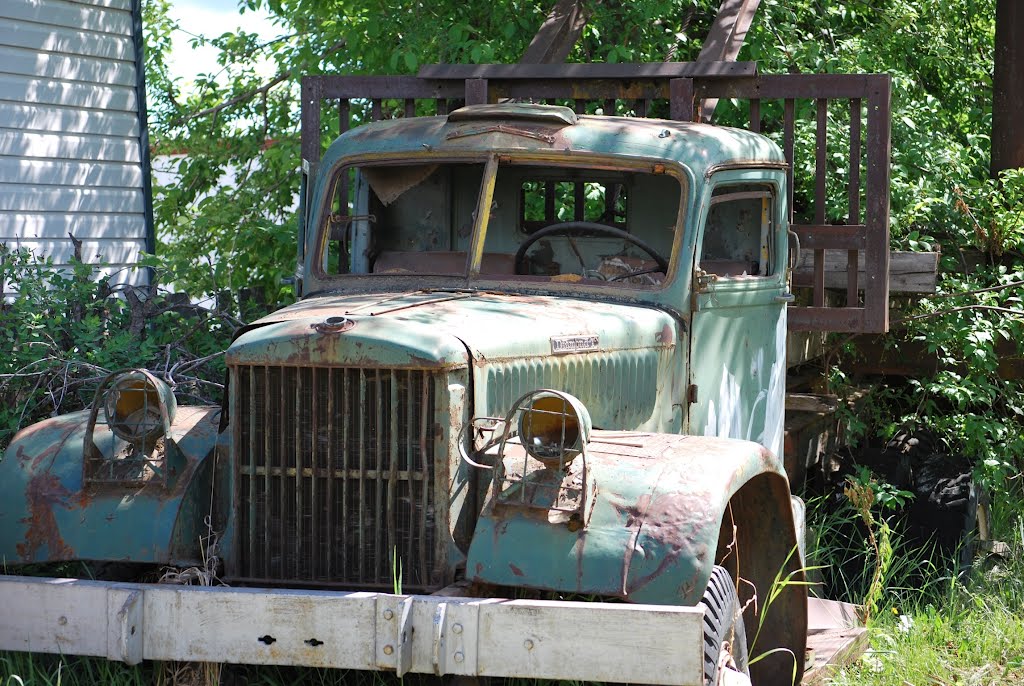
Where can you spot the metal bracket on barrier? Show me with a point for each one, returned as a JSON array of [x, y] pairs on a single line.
[[124, 637]]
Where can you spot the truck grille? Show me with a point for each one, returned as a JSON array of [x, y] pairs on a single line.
[[335, 474]]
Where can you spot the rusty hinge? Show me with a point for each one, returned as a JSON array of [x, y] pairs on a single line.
[[705, 280], [691, 394]]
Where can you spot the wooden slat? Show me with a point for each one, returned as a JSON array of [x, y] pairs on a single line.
[[876, 286], [817, 237], [26, 226], [64, 40], [334, 87], [77, 147], [531, 72], [69, 173], [49, 92], [31, 198], [853, 191], [35, 64], [59, 119], [909, 272], [820, 174], [69, 15]]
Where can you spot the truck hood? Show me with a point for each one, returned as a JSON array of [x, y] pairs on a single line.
[[516, 343]]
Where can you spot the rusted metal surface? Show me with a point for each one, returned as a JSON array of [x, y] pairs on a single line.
[[657, 522], [352, 443], [49, 513]]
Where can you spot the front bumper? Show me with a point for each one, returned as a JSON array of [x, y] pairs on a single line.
[[370, 631]]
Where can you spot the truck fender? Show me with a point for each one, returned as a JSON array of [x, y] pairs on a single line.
[[51, 510], [661, 512]]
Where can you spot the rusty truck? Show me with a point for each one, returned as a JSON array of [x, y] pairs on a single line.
[[526, 418]]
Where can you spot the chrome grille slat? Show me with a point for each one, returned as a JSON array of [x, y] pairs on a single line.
[[338, 467]]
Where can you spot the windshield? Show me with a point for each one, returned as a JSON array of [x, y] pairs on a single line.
[[545, 222]]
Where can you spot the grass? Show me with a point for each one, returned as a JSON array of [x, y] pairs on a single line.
[[935, 626]]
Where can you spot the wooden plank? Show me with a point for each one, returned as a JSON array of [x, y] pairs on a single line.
[[69, 93], [59, 119], [819, 236], [369, 631], [624, 70], [33, 63], [831, 650], [77, 147], [22, 226], [909, 272], [68, 14], [618, 641], [31, 198], [811, 402], [65, 40], [69, 173]]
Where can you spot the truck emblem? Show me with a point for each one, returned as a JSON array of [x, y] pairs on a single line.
[[574, 344]]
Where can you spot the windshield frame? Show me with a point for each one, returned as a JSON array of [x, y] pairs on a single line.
[[320, 281]]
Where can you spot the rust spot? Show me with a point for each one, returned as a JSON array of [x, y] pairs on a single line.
[[515, 570], [666, 336], [43, 493]]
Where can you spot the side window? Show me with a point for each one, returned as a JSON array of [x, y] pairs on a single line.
[[738, 237]]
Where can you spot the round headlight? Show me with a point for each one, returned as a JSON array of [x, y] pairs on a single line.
[[138, 406], [553, 426]]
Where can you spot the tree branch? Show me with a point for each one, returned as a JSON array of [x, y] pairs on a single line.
[[249, 95]]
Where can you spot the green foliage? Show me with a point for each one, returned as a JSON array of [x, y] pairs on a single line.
[[959, 634], [64, 332], [995, 208]]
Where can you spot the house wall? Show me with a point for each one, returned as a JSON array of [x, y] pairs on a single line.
[[73, 147]]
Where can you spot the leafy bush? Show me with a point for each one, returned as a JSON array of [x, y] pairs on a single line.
[[63, 332]]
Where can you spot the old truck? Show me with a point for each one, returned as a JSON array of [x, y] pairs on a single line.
[[525, 420]]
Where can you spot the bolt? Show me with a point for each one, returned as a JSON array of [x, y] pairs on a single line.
[[456, 628], [459, 657], [388, 614], [62, 620], [388, 650], [528, 644]]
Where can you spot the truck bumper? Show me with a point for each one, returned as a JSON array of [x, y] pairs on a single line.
[[370, 631]]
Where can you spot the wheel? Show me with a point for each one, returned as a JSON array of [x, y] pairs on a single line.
[[725, 638], [580, 229]]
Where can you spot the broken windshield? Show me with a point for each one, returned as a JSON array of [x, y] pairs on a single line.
[[546, 222]]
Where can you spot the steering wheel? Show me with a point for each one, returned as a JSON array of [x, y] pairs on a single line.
[[581, 228]]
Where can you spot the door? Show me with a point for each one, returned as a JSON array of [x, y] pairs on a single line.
[[738, 341]]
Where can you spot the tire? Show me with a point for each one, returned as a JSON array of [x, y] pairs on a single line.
[[724, 633]]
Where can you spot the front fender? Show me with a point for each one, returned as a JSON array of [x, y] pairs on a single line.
[[652, 535], [49, 512]]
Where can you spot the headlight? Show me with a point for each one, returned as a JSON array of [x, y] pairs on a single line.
[[138, 406], [553, 426]]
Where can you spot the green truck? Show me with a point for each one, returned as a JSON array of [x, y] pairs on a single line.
[[525, 420]]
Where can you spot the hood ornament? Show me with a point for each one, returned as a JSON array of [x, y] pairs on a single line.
[[337, 324]]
